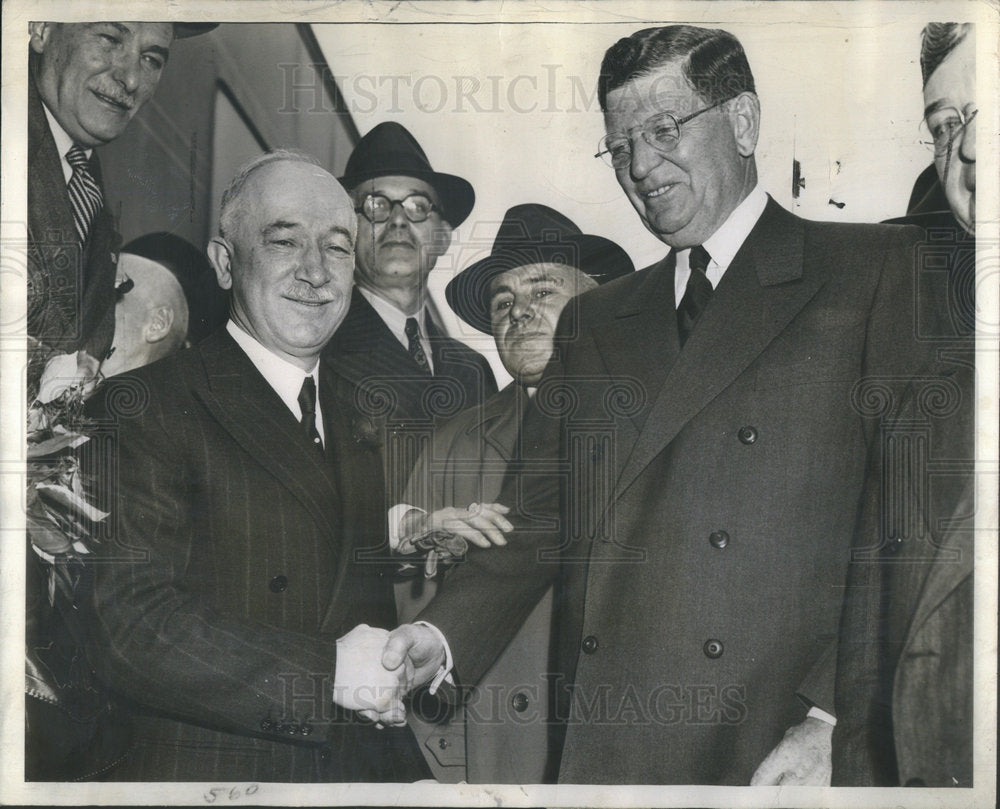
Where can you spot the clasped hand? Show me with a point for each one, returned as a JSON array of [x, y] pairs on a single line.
[[376, 669], [444, 534]]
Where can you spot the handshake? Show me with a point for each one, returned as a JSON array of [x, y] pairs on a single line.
[[376, 669]]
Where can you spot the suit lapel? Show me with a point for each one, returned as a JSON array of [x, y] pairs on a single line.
[[247, 407], [762, 290], [500, 412], [364, 347], [50, 219]]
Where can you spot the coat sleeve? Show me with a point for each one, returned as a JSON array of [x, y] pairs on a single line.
[[493, 591], [161, 643]]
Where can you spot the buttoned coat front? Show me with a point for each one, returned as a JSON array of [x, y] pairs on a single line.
[[234, 562], [695, 507]]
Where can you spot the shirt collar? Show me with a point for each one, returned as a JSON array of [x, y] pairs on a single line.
[[723, 245], [63, 141], [393, 317], [284, 377]]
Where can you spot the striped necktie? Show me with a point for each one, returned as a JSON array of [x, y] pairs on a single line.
[[84, 194], [415, 347]]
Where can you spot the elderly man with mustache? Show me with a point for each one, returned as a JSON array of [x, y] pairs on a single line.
[[242, 503]]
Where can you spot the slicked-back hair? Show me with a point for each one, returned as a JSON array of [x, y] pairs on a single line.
[[232, 196], [937, 40], [712, 60]]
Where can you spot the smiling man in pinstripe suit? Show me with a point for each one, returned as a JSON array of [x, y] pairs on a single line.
[[241, 500]]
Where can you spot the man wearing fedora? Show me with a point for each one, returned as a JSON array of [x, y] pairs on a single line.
[[409, 373], [539, 262]]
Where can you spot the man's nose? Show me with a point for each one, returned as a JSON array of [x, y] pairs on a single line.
[[311, 267], [125, 70], [644, 158], [397, 216], [521, 310], [967, 144]]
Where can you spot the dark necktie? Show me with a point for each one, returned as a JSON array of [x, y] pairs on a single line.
[[416, 348], [307, 401], [84, 194], [696, 295]]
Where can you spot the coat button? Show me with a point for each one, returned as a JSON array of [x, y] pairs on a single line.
[[443, 743], [718, 539], [325, 754], [713, 648], [589, 645], [747, 435], [519, 702], [278, 584], [266, 725], [305, 729]]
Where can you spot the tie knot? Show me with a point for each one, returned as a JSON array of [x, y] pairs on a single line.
[[698, 258], [77, 158], [412, 329], [307, 396]]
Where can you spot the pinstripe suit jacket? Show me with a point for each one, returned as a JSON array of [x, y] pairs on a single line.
[[231, 570]]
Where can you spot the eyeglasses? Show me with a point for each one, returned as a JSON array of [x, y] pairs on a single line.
[[377, 208], [661, 131], [944, 127]]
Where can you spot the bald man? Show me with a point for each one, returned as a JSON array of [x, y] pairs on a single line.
[[151, 315]]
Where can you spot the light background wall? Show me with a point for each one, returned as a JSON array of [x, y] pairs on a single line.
[[512, 108]]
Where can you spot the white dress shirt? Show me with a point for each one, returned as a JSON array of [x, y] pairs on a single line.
[[724, 244], [63, 143], [283, 376], [395, 319]]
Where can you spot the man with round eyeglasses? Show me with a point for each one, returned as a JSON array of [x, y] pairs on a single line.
[[706, 427], [409, 372]]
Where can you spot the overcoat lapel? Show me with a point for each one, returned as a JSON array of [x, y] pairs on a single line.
[[762, 290], [247, 407], [500, 414], [645, 319]]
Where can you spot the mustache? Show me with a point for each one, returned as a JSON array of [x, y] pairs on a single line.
[[309, 294], [124, 100]]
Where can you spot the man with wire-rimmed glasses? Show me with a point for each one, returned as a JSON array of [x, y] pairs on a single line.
[[944, 196], [712, 453], [390, 345]]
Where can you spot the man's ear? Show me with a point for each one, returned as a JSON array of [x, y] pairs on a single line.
[[745, 115], [40, 34], [220, 256], [158, 326]]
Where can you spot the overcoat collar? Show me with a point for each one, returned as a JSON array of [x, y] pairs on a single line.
[[762, 290]]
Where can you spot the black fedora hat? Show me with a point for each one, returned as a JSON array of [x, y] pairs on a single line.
[[183, 30], [390, 149], [532, 234]]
